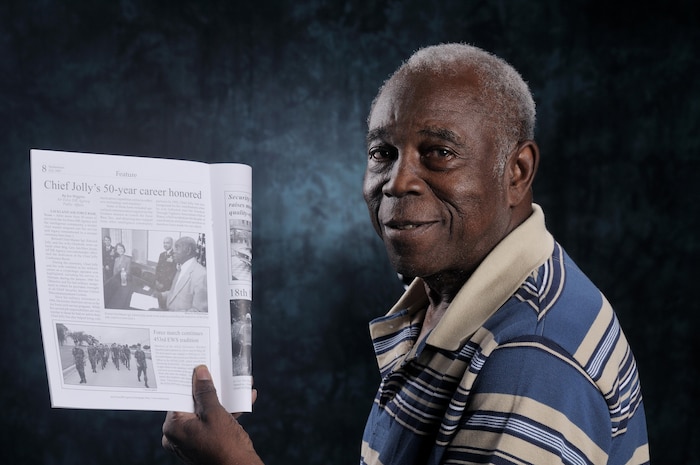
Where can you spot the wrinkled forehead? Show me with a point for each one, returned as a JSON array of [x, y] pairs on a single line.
[[428, 96]]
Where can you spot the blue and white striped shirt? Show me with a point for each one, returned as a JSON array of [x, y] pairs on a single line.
[[528, 365]]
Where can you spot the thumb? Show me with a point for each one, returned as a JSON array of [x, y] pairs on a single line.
[[203, 392]]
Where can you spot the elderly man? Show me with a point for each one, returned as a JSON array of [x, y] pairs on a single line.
[[188, 292], [501, 350]]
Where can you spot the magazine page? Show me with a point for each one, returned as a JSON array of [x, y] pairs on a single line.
[[124, 278], [233, 216]]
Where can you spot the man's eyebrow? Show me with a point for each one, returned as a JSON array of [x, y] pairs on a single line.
[[382, 133], [376, 133], [442, 133]]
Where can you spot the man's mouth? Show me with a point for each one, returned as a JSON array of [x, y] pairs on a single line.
[[403, 227], [395, 225]]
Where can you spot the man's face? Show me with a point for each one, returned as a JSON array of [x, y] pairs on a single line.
[[167, 244], [107, 241], [181, 252], [431, 185]]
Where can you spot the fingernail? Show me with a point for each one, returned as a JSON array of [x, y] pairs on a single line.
[[202, 373]]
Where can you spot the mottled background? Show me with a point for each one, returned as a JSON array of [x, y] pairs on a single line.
[[285, 87]]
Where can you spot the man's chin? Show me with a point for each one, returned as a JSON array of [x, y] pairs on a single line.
[[408, 269]]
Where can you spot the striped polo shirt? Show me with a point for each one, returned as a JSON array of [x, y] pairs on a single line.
[[528, 365]]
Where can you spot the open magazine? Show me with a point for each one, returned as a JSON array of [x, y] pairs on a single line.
[[143, 271]]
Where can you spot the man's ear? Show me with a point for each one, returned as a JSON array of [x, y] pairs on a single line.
[[520, 171]]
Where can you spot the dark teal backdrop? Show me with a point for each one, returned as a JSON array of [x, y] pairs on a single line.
[[285, 87]]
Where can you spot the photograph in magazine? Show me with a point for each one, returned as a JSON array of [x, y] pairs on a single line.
[[241, 337], [241, 233], [105, 356], [154, 270]]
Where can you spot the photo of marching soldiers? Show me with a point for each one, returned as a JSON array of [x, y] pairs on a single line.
[[240, 233], [154, 270], [241, 337], [105, 356]]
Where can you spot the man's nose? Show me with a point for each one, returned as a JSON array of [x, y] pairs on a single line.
[[405, 176]]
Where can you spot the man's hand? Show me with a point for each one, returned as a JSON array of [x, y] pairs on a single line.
[[210, 435]]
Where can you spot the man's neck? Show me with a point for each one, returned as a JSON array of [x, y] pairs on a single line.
[[441, 290], [443, 287]]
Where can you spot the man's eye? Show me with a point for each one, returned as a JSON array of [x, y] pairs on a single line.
[[439, 153], [380, 154]]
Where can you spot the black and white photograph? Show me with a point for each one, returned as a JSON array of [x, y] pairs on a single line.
[[105, 356], [240, 232], [241, 337], [154, 270]]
